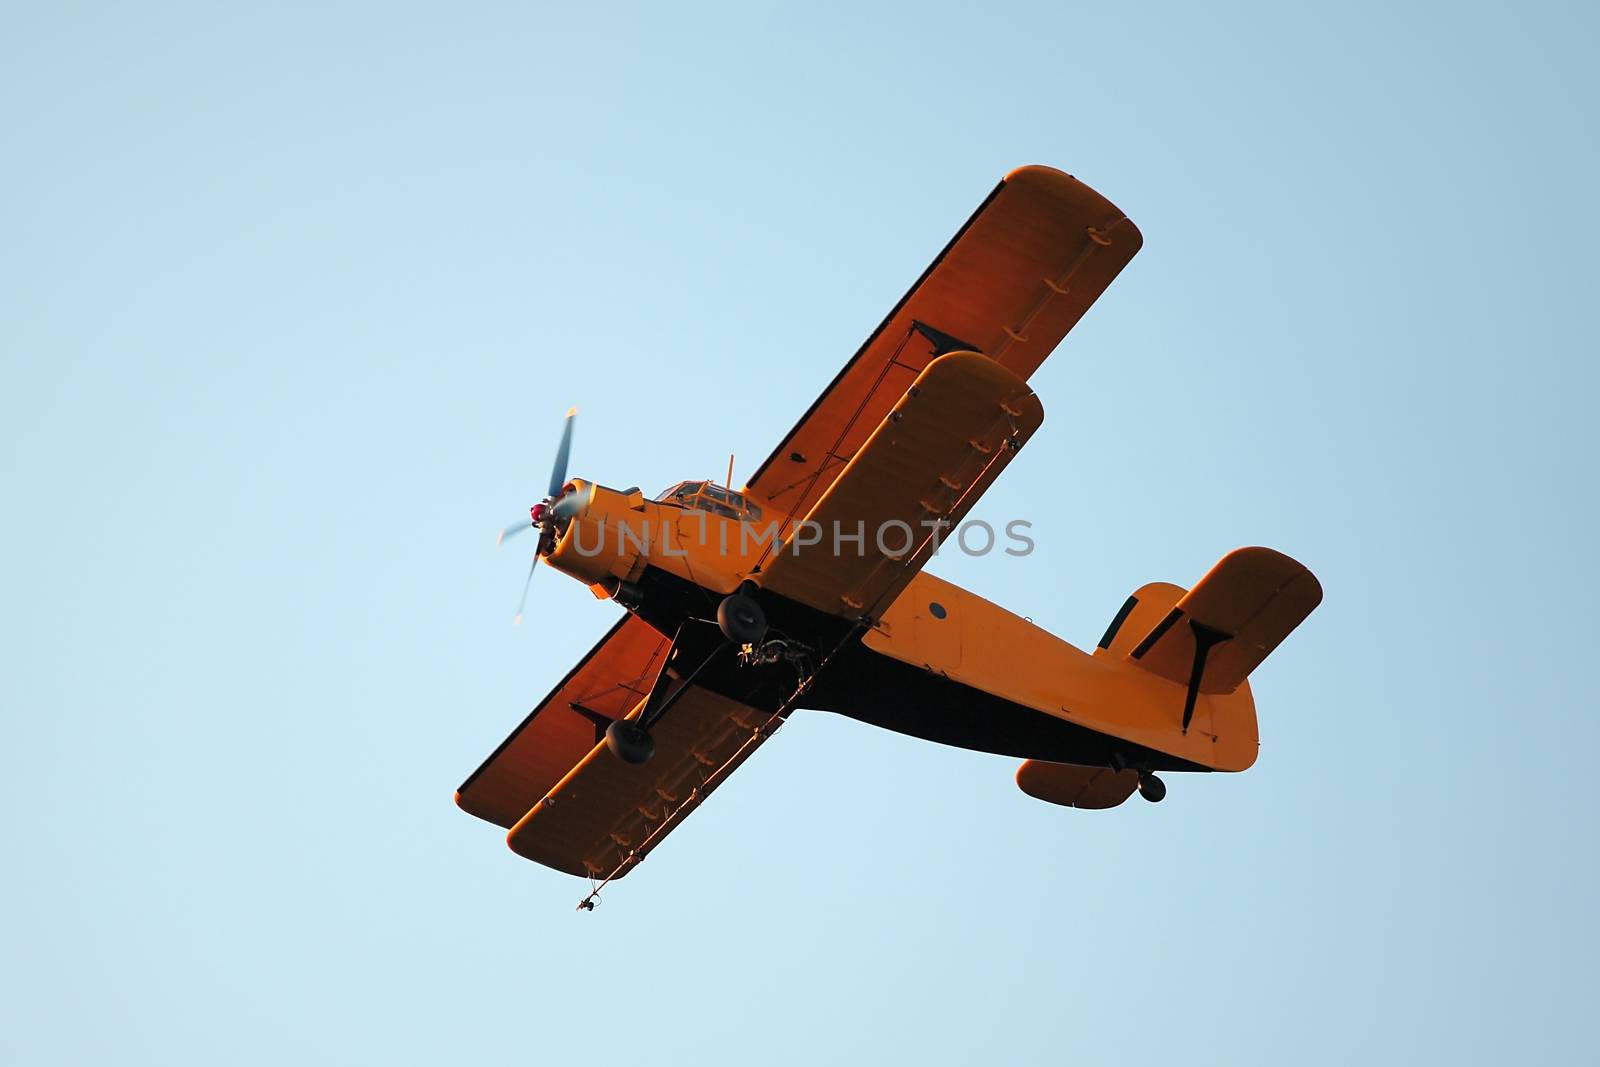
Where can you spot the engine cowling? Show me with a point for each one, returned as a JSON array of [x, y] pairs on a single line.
[[604, 535]]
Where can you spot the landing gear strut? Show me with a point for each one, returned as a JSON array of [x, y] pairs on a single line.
[[741, 621]]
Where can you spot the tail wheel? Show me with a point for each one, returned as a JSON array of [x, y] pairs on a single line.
[[1152, 788]]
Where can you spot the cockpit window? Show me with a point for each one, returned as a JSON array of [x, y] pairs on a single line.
[[713, 498], [681, 492]]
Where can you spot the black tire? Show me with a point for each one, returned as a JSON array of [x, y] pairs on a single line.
[[741, 619], [630, 742], [1152, 788]]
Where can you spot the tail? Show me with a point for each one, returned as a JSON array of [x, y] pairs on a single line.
[[1210, 638], [1207, 639]]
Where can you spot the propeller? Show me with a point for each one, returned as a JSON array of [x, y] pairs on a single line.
[[555, 505], [533, 564]]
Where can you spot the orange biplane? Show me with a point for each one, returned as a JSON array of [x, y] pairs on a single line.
[[805, 589]]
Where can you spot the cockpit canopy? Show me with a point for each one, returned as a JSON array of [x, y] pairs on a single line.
[[708, 496]]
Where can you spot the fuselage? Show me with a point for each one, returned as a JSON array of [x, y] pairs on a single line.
[[940, 663]]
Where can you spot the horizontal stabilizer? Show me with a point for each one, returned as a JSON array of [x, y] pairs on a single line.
[[1073, 786], [1230, 621]]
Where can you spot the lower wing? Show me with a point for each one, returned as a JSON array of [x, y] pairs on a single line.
[[568, 802]]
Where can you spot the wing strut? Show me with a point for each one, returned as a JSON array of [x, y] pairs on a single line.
[[659, 702]]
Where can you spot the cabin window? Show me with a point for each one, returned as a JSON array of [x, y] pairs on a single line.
[[712, 498]]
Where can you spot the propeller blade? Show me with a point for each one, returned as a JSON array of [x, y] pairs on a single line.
[[523, 603], [540, 513], [511, 531], [558, 476]]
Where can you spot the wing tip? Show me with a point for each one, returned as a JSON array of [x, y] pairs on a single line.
[[467, 806], [1035, 172], [1060, 185]]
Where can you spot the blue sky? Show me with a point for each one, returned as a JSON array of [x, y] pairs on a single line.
[[294, 301]]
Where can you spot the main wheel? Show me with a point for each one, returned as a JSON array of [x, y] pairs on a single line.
[[741, 619], [629, 742], [1152, 788]]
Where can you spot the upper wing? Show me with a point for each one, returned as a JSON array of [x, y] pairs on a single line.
[[1025, 267], [947, 439], [610, 681]]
